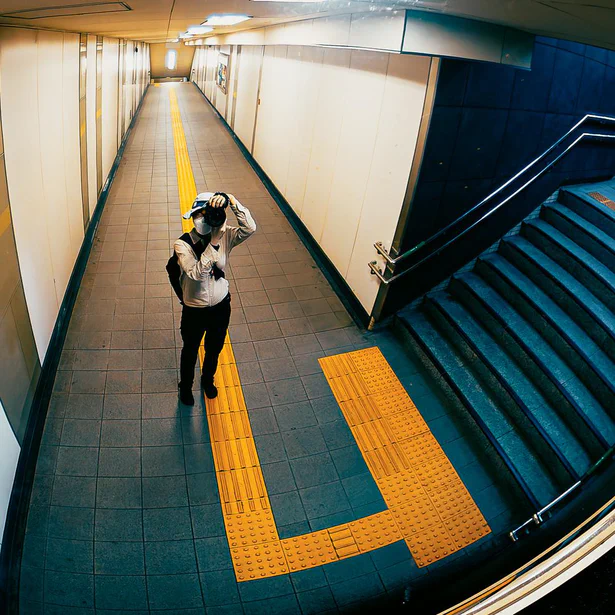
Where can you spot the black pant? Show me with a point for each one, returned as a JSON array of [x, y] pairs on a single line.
[[196, 322]]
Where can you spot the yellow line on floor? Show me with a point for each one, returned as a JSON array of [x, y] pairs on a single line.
[[403, 456], [428, 502]]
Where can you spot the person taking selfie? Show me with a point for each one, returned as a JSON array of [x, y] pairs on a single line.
[[196, 270]]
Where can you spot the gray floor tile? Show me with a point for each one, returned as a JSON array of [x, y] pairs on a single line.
[[173, 592], [123, 382], [119, 525], [77, 461], [164, 492], [119, 558], [163, 461], [165, 524], [170, 557], [213, 553], [278, 369], [121, 592], [286, 391], [220, 588], [119, 462], [72, 523], [314, 470], [122, 406], [118, 493], [207, 521], [74, 491], [70, 555], [162, 432], [84, 406], [121, 433], [69, 589]]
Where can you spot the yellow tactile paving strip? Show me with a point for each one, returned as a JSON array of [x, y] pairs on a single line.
[[428, 506], [602, 199]]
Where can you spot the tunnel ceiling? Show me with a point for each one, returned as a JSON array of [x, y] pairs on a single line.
[[590, 21]]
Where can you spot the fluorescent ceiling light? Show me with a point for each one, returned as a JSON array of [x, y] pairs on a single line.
[[198, 30], [225, 20], [171, 59]]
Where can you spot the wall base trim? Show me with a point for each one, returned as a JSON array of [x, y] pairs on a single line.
[[14, 532], [339, 284]]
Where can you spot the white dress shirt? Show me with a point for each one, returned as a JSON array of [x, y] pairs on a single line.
[[199, 286]]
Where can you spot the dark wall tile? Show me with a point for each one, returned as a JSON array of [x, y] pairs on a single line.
[[489, 85], [592, 85], [555, 126], [424, 210], [578, 48], [440, 143], [478, 143], [521, 140], [596, 53], [607, 101], [459, 197], [452, 82], [531, 88], [565, 83], [546, 40]]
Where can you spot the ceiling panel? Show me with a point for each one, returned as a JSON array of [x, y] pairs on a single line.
[[589, 21]]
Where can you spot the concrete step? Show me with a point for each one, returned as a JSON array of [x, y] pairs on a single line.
[[536, 478], [550, 373], [593, 274], [591, 209], [572, 343], [554, 440], [588, 236], [572, 296]]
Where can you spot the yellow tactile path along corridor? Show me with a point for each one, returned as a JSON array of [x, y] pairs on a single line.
[[428, 505]]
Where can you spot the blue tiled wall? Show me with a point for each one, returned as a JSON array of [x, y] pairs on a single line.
[[489, 120]]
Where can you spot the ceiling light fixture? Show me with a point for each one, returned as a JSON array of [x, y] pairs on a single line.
[[225, 20], [198, 30]]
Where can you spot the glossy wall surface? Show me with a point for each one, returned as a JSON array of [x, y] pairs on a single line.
[[335, 130], [490, 120], [41, 203]]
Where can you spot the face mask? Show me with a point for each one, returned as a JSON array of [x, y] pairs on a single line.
[[202, 228]]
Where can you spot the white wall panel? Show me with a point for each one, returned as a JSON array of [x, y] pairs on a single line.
[[109, 104], [9, 456], [364, 90], [330, 109], [20, 120], [307, 65], [72, 150], [275, 115], [336, 131], [53, 164], [91, 121], [247, 89], [400, 117]]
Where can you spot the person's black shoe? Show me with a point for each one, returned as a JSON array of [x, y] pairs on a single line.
[[209, 389], [186, 397]]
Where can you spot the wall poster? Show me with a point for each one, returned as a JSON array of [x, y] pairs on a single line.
[[221, 73]]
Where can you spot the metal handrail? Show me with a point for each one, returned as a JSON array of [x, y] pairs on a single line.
[[538, 517], [374, 264], [397, 259]]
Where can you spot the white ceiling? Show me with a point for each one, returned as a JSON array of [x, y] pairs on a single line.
[[589, 21]]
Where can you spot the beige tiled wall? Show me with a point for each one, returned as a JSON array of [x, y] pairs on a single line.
[[19, 364]]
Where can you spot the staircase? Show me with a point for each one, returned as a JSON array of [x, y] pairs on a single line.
[[526, 341]]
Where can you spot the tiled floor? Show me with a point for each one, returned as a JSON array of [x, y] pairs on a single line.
[[125, 512]]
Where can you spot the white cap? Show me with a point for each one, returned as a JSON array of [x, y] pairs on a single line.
[[199, 203]]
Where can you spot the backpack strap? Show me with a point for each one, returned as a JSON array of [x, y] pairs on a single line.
[[199, 246]]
